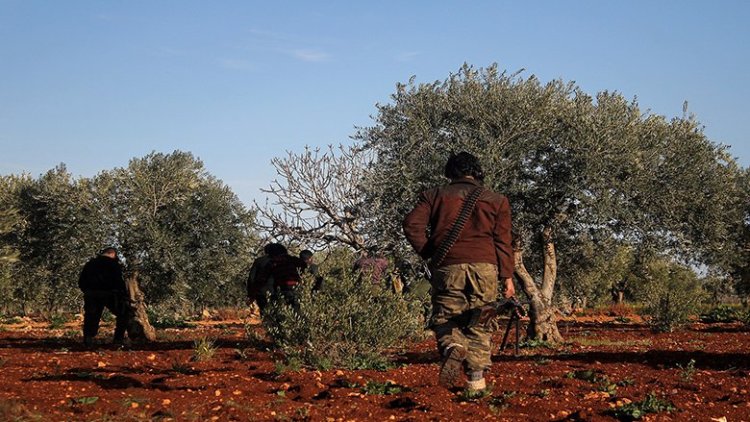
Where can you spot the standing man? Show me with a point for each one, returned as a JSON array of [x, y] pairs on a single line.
[[103, 287], [466, 274], [312, 268], [285, 270], [257, 290]]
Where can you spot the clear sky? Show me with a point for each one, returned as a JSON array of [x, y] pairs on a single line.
[[95, 83]]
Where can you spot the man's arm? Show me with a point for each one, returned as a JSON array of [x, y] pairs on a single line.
[[415, 225], [502, 239]]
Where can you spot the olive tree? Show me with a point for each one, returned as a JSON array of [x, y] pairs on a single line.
[[571, 164], [183, 234]]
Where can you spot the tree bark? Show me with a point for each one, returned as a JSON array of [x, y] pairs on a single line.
[[139, 327], [542, 318]]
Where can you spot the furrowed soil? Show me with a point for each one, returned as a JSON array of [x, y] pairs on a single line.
[[605, 365]]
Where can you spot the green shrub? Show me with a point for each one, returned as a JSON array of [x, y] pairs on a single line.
[[348, 324], [721, 313], [161, 319], [671, 296], [203, 349], [636, 410], [744, 316]]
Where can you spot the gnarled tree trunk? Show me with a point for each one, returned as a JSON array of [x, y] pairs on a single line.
[[543, 321], [139, 328]]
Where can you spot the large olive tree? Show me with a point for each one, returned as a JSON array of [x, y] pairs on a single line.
[[183, 233], [571, 165]]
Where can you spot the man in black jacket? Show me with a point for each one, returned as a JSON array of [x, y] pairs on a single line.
[[103, 286]]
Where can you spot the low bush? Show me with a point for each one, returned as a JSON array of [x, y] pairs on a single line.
[[636, 410], [721, 313], [347, 324], [671, 296]]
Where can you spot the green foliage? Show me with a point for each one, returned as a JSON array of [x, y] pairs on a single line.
[[293, 364], [57, 322], [721, 313], [574, 167], [181, 232], [84, 400], [688, 371], [671, 296], [745, 316], [386, 388], [348, 324], [636, 410], [467, 395], [203, 349], [159, 318]]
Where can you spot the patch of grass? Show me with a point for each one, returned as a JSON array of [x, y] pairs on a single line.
[[293, 364], [83, 401], [625, 382], [240, 354], [10, 320], [636, 410], [498, 403], [182, 368], [383, 388], [467, 395], [719, 314], [57, 322], [203, 349], [533, 344], [541, 361], [371, 361], [542, 393], [602, 381], [584, 375], [161, 320], [603, 342], [688, 371]]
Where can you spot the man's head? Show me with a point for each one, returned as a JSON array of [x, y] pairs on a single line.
[[275, 249], [109, 252], [463, 164], [306, 256]]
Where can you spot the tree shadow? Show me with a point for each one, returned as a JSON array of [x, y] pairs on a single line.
[[658, 359], [117, 381]]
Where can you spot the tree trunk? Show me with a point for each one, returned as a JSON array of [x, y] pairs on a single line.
[[542, 318], [139, 328]]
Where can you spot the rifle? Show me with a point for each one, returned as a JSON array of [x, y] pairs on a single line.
[[484, 314]]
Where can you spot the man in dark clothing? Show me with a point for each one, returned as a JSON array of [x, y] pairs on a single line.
[[285, 270], [468, 275], [312, 268], [257, 289], [103, 287]]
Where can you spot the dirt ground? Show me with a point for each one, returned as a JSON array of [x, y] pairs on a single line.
[[606, 364]]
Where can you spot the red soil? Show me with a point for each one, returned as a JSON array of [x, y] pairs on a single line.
[[47, 375]]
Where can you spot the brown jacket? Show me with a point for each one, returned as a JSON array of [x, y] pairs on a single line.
[[485, 237]]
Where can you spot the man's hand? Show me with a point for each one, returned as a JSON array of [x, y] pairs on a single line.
[[510, 289]]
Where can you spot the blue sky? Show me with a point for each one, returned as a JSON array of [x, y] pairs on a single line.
[[95, 83]]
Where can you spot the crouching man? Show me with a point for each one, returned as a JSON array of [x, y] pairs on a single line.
[[467, 256]]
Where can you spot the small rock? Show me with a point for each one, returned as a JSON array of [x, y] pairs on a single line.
[[166, 402]]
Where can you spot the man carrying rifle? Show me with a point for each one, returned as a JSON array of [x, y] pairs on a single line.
[[464, 231]]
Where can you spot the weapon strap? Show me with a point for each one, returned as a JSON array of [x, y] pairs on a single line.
[[463, 216]]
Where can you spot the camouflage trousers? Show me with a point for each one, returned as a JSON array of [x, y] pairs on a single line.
[[455, 289]]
